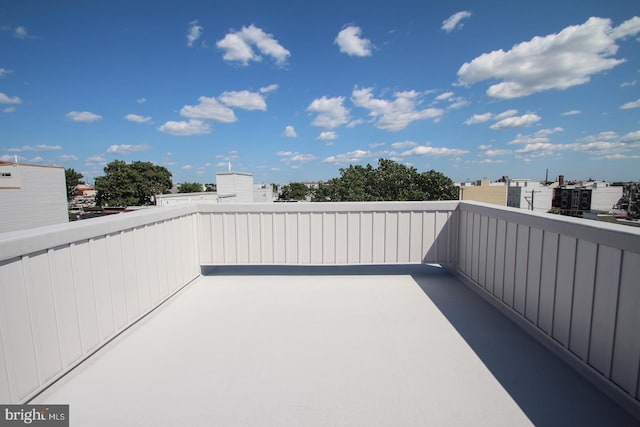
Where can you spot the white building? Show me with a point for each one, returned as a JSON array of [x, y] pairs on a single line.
[[529, 194], [31, 196]]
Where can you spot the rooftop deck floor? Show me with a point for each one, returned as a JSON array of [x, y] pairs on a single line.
[[336, 346]]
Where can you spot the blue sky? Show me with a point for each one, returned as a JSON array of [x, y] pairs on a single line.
[[293, 91]]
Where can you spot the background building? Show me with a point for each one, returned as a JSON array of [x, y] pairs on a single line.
[[485, 191], [31, 196]]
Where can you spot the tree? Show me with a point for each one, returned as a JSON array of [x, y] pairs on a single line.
[[73, 179], [294, 191], [132, 184], [189, 187], [389, 181]]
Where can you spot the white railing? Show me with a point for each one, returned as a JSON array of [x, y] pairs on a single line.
[[66, 290], [328, 233], [574, 282]]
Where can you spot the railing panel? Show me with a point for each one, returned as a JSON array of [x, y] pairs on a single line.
[[574, 281], [327, 233], [66, 290], [604, 318], [626, 351]]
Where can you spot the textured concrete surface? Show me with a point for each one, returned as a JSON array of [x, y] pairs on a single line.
[[336, 346]]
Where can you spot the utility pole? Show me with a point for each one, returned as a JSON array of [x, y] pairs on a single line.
[[530, 201]]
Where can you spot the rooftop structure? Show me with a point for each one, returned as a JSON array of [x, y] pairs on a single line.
[[31, 196], [283, 314]]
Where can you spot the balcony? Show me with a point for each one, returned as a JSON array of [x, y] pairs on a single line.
[[313, 314]]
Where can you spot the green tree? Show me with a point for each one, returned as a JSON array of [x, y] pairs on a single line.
[[189, 187], [131, 184], [72, 179], [389, 181], [294, 191]]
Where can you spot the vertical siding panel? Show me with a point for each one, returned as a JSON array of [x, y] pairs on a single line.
[[162, 259], [391, 237], [475, 248], [328, 238], [468, 264], [404, 237], [102, 287], [174, 232], [429, 248], [564, 289], [378, 237], [510, 264], [142, 269], [66, 305], [152, 262], [533, 274], [268, 244], [353, 241], [130, 274], [304, 238], [316, 237], [626, 350], [443, 236], [462, 239], [586, 258], [548, 281], [366, 237], [415, 245], [84, 295], [15, 324], [217, 238], [291, 225], [522, 258], [491, 254], [230, 238], [498, 287], [5, 388], [482, 249], [242, 237], [205, 238], [605, 307], [341, 237], [116, 275], [279, 238], [256, 238]]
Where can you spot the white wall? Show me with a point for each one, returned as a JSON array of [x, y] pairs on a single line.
[[39, 199], [182, 198], [604, 198], [234, 187]]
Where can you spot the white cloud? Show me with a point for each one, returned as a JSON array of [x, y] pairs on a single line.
[[444, 96], [571, 113], [127, 148], [629, 105], [331, 112], [505, 114], [137, 119], [290, 132], [141, 100], [516, 122], [295, 157], [208, 108], [631, 136], [350, 42], [269, 88], [182, 128], [327, 136], [9, 110], [350, 157], [4, 99], [40, 147], [555, 61], [494, 153], [427, 150], [21, 33], [244, 99], [238, 46], [479, 118], [403, 144], [455, 21], [397, 114], [376, 144], [67, 158], [187, 167], [541, 136], [193, 33], [96, 159], [4, 72], [83, 116], [623, 84]]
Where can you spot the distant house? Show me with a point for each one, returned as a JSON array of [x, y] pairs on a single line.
[[485, 191], [31, 196]]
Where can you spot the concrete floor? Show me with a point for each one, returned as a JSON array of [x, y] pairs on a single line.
[[328, 346]]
